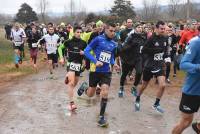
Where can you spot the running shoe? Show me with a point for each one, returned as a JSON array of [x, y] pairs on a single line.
[[134, 91], [72, 107], [82, 88], [102, 122], [195, 128], [121, 92], [158, 108], [66, 80], [137, 106]]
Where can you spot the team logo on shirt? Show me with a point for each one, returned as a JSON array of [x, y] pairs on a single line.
[[157, 44]]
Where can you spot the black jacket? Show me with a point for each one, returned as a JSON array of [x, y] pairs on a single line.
[[73, 47], [131, 48]]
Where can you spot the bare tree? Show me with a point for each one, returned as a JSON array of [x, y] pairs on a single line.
[[43, 5], [145, 9], [150, 10], [173, 7], [72, 8]]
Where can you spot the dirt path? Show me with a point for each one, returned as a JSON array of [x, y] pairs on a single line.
[[37, 105]]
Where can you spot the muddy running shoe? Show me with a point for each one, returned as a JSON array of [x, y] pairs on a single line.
[[72, 106], [16, 65], [102, 122], [158, 109], [134, 91], [195, 128], [82, 88], [121, 92], [137, 106]]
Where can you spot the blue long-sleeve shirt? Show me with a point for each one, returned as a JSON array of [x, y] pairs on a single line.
[[191, 64], [103, 49]]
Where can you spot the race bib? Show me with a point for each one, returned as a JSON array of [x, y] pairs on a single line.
[[105, 57], [75, 66], [158, 56], [18, 43], [34, 45], [52, 45]]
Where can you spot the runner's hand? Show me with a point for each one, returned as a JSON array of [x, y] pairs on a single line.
[[99, 64], [81, 52]]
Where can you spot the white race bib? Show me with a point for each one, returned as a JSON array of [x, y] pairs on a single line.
[[158, 56], [75, 66], [105, 57], [34, 45], [18, 43], [168, 59]]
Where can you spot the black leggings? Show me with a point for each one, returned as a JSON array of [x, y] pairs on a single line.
[[168, 69], [126, 68]]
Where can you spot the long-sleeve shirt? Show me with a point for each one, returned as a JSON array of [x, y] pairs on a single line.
[[191, 64], [103, 50]]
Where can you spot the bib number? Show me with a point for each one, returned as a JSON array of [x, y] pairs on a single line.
[[74, 66], [158, 57], [105, 57], [18, 43], [34, 45]]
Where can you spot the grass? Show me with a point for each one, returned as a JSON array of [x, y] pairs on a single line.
[[7, 59], [6, 51]]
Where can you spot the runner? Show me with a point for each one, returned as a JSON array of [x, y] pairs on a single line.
[[33, 38], [104, 49], [75, 47], [51, 41], [172, 49], [131, 58], [18, 38], [156, 49], [190, 101]]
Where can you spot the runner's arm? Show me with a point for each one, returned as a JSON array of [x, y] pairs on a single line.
[[60, 50], [90, 47]]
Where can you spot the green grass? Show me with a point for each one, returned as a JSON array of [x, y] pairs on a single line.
[[6, 52], [7, 57]]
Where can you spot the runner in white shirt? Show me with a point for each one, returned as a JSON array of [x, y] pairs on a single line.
[[18, 37], [51, 41]]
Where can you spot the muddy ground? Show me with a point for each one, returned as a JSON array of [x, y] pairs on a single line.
[[37, 105]]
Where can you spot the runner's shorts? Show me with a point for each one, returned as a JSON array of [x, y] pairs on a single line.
[[148, 73], [77, 73], [99, 78], [189, 103], [53, 57]]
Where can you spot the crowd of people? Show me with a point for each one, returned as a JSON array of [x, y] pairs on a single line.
[[140, 50]]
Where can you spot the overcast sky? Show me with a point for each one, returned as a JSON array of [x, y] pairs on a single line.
[[12, 6]]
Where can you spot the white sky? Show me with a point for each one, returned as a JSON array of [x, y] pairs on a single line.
[[12, 6]]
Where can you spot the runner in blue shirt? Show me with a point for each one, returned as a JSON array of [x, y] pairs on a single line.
[[190, 101], [102, 59]]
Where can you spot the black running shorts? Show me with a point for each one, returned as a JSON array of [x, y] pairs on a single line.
[[99, 78], [189, 103]]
